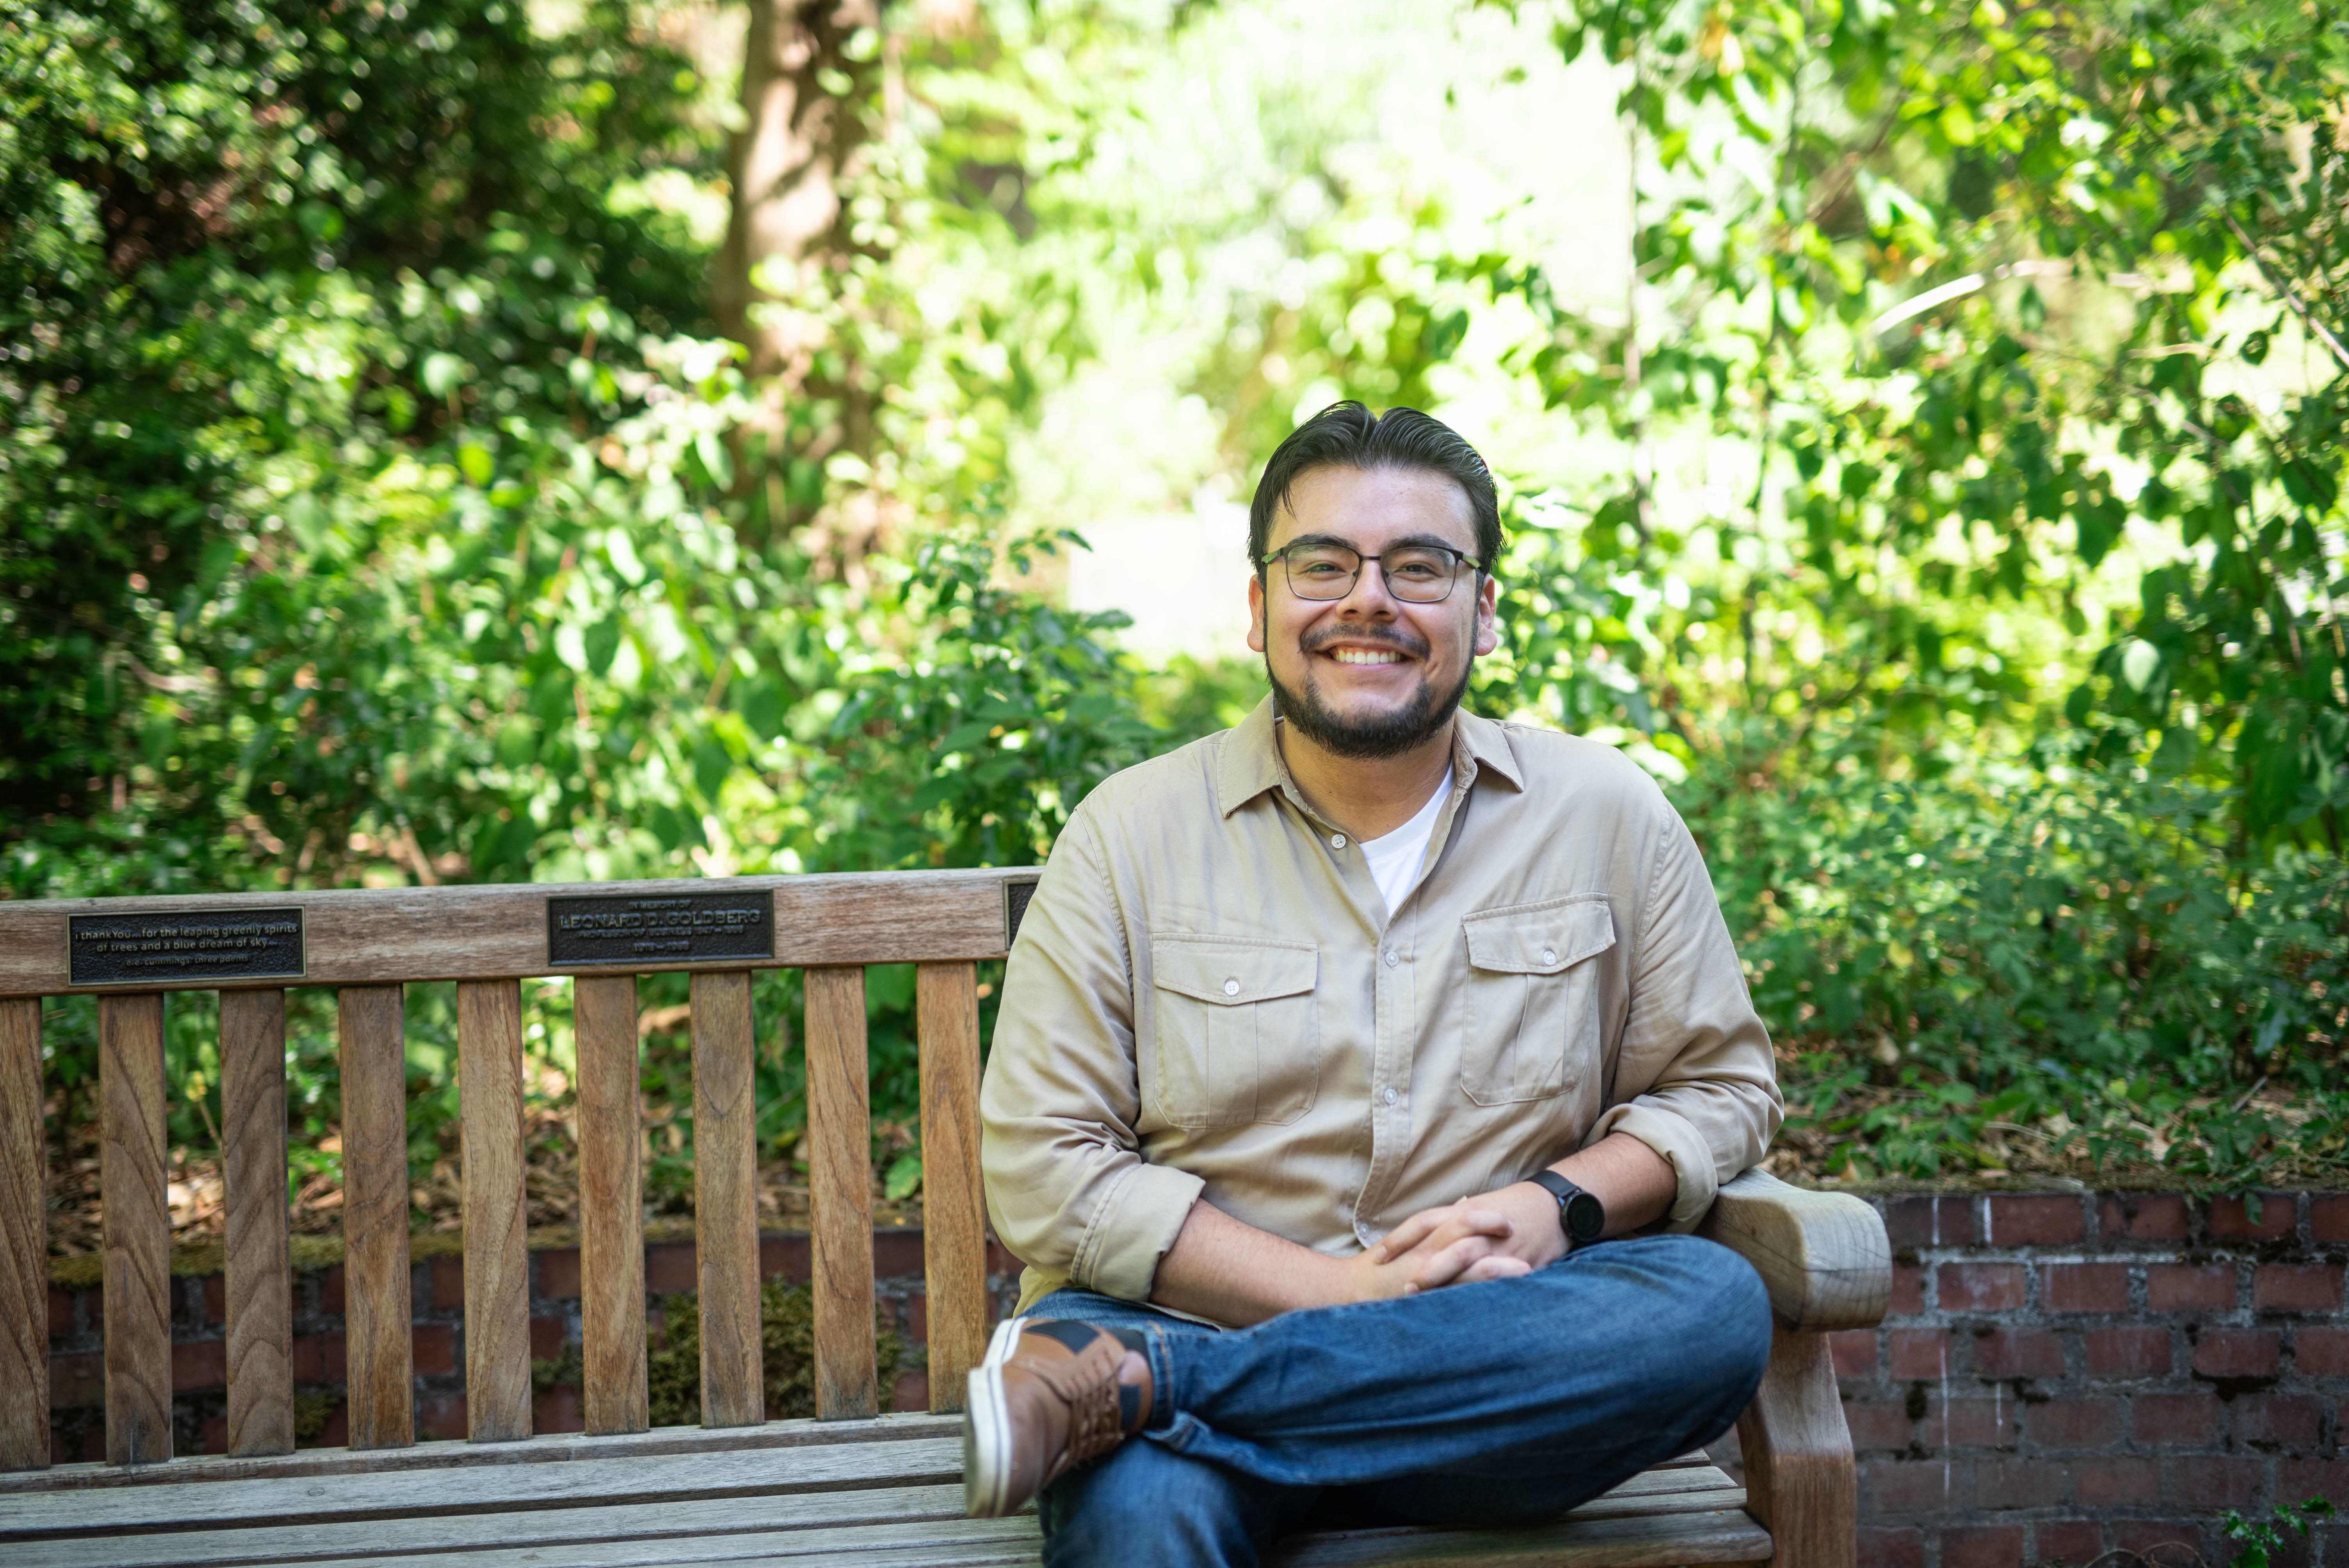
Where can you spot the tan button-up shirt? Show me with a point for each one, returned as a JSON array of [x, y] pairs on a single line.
[[1209, 998]]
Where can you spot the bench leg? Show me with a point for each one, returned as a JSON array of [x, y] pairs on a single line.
[[1800, 1481]]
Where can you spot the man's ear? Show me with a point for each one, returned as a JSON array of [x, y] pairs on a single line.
[[1256, 613], [1488, 629]]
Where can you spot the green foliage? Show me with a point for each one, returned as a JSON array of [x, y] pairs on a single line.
[[2032, 965], [1958, 479], [311, 1414], [787, 1348], [1014, 710], [1998, 666], [245, 240], [2132, 210], [367, 521], [2262, 1539]]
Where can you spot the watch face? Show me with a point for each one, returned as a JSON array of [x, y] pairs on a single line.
[[1585, 1216]]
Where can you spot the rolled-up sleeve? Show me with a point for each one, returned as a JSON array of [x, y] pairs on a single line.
[[1695, 1078], [1067, 1187]]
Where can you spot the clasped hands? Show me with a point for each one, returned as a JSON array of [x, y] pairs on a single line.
[[1511, 1231]]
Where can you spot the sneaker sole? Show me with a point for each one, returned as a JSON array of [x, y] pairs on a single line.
[[987, 1429]]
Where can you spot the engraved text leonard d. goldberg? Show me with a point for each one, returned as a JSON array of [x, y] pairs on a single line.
[[617, 929]]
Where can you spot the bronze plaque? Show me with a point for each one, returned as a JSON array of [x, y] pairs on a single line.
[[1016, 896], [185, 948], [652, 932]]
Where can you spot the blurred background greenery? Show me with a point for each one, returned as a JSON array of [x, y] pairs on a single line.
[[595, 439]]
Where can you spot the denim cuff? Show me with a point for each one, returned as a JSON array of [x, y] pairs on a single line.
[[1162, 1378]]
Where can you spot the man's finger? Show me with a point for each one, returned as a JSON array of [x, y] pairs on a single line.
[[1414, 1230], [1457, 1227], [1445, 1266]]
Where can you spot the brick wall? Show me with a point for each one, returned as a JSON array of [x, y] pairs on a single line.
[[437, 1297], [2068, 1374]]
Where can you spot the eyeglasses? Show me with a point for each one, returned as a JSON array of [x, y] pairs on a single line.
[[1415, 573]]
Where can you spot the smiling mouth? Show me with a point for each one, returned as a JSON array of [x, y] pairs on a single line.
[[1366, 656]]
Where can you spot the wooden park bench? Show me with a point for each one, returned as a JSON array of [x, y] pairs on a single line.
[[852, 1485]]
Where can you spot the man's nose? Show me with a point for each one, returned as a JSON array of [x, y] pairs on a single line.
[[1370, 597]]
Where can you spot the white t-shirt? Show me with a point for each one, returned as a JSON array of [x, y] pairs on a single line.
[[1395, 858]]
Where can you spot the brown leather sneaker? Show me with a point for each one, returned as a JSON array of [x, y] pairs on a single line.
[[1051, 1395]]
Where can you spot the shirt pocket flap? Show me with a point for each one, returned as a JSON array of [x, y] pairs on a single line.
[[1231, 972], [1540, 938]]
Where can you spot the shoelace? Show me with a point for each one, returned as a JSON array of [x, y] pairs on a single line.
[[1087, 1385]]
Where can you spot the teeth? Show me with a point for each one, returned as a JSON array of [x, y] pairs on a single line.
[[1365, 656]]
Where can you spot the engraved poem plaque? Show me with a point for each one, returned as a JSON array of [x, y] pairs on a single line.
[[650, 932], [184, 947]]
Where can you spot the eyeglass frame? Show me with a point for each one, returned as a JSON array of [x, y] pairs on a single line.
[[1459, 558]]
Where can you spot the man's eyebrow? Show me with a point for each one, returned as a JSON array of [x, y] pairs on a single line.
[[1409, 541]]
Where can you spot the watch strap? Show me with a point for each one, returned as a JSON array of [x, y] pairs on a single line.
[[1575, 1204]]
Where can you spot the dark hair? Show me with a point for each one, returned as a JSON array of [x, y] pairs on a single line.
[[1349, 435]]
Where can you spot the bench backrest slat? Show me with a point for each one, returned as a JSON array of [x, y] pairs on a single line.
[[136, 1233], [954, 1214], [497, 1244], [840, 1193], [363, 936], [260, 1306], [24, 1242], [370, 944], [611, 1205], [725, 1200], [377, 1356]]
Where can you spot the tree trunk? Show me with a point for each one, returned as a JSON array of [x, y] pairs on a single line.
[[785, 166]]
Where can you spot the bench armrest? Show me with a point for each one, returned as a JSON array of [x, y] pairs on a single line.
[[1823, 1255]]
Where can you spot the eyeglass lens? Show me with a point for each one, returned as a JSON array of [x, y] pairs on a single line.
[[1418, 576]]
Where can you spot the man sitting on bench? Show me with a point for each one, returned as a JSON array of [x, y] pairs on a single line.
[[1332, 1047]]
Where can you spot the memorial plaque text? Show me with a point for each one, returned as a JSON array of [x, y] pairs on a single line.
[[185, 948], [651, 932]]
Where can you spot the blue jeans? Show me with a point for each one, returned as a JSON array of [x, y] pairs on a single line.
[[1506, 1402]]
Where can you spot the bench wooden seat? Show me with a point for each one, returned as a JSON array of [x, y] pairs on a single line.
[[884, 1490], [850, 1487]]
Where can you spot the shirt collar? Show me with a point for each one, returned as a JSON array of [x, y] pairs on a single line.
[[1250, 763]]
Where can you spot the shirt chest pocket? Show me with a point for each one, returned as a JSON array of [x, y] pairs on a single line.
[[1531, 1010], [1237, 1038]]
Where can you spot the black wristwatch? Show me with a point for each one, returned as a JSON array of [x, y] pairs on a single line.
[[1580, 1215]]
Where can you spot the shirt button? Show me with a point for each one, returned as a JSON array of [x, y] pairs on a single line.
[[1337, 841], [1391, 1094], [1549, 954], [1231, 987], [1394, 958]]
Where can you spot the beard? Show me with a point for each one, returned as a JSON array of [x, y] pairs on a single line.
[[1387, 734]]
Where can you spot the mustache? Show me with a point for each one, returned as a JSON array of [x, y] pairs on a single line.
[[1314, 642]]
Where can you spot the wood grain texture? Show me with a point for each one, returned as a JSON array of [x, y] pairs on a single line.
[[1650, 1540], [1800, 1479], [377, 935], [260, 1276], [24, 1243], [840, 1194], [597, 1524], [953, 1214], [137, 1229], [491, 1488], [497, 1248], [917, 1543], [894, 1503], [611, 1205], [1823, 1255], [553, 1448], [381, 1376], [726, 1201]]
